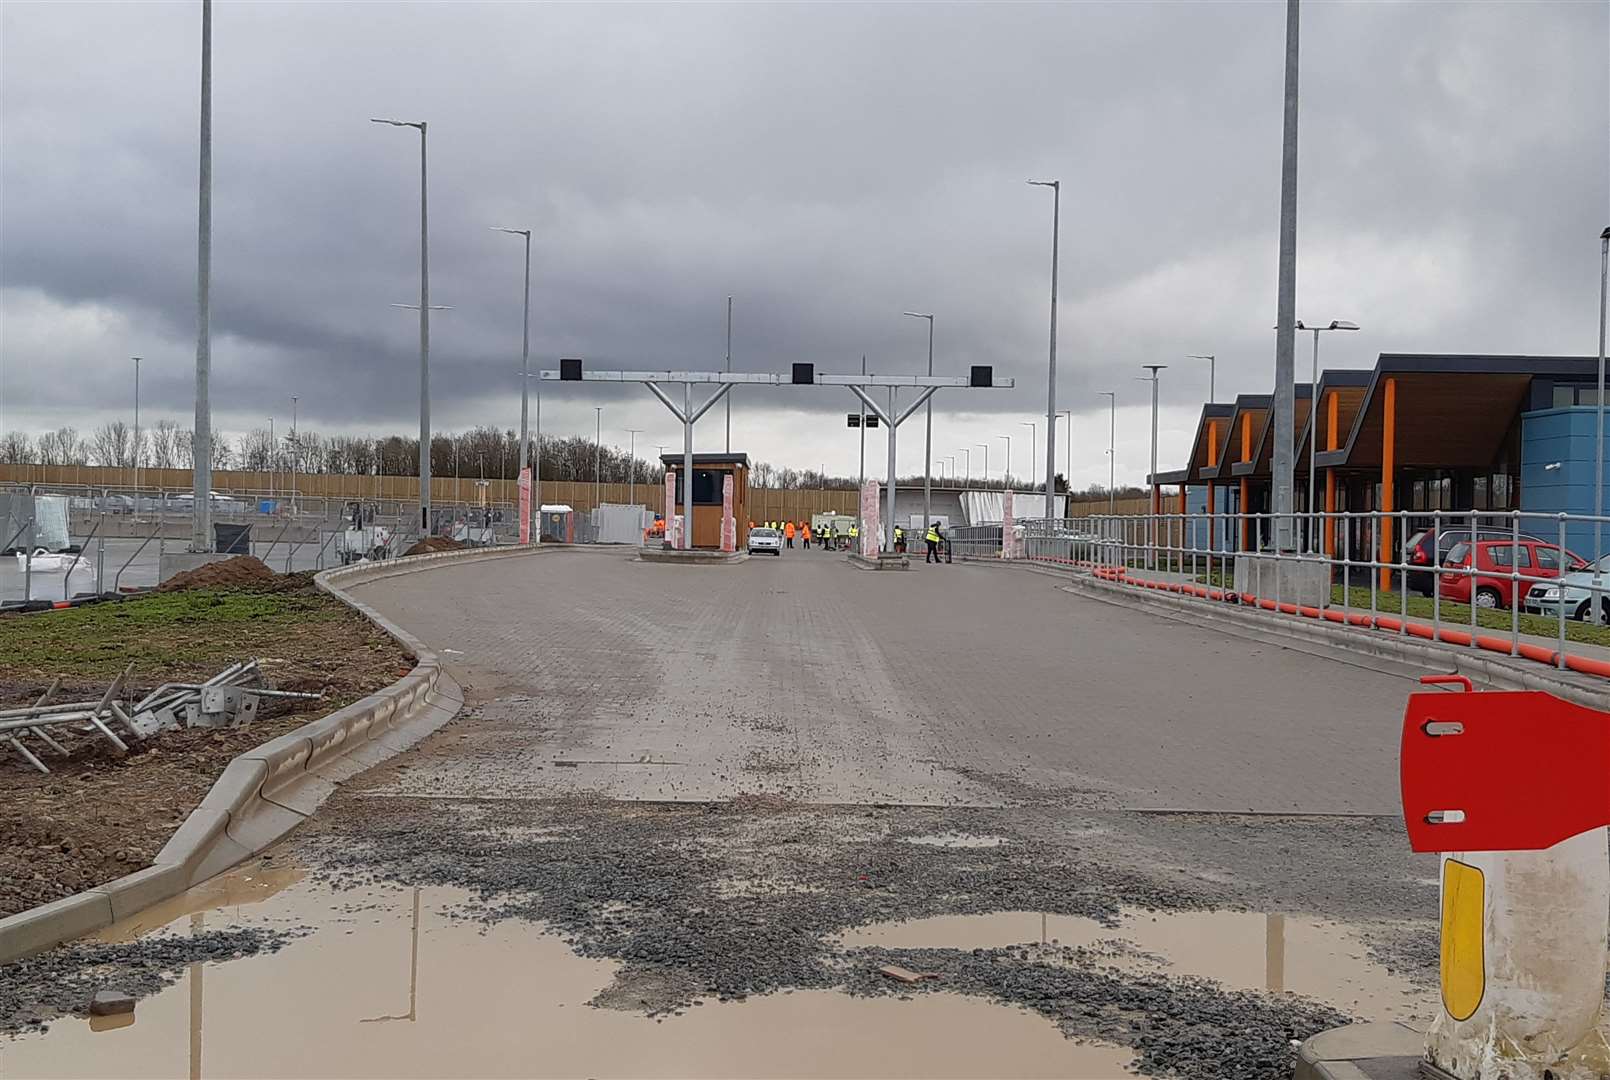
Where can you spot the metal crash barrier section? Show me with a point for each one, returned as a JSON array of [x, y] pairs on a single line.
[[1522, 584]]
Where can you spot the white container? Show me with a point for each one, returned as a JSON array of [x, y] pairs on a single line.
[[1523, 963]]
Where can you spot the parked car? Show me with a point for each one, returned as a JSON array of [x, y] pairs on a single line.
[[765, 540], [1418, 552], [1577, 587], [1533, 558]]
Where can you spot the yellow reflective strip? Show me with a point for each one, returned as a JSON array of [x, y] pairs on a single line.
[[1464, 974]]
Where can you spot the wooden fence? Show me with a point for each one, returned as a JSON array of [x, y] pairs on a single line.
[[765, 504]]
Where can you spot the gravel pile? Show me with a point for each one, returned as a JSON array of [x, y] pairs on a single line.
[[61, 981]]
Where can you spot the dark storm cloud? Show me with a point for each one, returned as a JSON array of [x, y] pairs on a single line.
[[830, 165]]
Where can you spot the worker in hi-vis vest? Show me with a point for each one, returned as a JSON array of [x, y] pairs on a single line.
[[933, 542]]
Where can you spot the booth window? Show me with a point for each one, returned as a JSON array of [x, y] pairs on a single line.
[[706, 487]]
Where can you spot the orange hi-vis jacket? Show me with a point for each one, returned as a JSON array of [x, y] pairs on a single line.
[[788, 529]]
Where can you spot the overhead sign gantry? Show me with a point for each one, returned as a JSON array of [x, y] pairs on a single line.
[[890, 413]]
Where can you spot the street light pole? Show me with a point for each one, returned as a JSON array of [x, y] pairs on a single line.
[[985, 445], [967, 466], [525, 347], [1313, 423], [1112, 447], [1286, 301], [136, 446], [1034, 446], [1598, 457], [201, 444], [1212, 363], [1151, 530], [598, 452], [1068, 474], [729, 368], [631, 460], [424, 325], [1051, 377], [1007, 476], [860, 479], [928, 424], [296, 453]]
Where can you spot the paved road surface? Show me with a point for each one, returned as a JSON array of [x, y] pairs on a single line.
[[805, 677]]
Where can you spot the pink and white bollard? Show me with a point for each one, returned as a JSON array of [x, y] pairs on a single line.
[[729, 526], [670, 510], [525, 505], [869, 519]]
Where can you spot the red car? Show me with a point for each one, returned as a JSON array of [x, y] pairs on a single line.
[[1532, 558]]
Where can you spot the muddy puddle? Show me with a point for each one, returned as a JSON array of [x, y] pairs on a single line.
[[1313, 957], [390, 985]]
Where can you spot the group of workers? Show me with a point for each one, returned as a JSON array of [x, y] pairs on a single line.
[[832, 538], [829, 536]]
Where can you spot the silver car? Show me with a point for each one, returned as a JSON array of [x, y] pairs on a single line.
[[1545, 597], [761, 540]]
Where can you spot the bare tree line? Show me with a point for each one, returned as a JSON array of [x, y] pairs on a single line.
[[481, 452]]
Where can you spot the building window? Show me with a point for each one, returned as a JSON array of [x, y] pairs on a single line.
[[1568, 394], [1502, 489]]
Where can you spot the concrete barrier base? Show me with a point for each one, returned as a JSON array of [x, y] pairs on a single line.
[[1292, 580], [882, 561], [1373, 1051], [693, 557]]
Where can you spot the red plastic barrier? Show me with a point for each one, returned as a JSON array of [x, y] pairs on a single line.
[[1522, 769], [1587, 666], [1525, 650]]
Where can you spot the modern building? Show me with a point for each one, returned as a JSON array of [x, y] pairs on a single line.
[[1418, 433]]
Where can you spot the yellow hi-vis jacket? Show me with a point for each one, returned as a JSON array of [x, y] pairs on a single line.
[[933, 536]]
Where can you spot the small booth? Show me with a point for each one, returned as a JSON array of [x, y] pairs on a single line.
[[557, 523], [709, 477]]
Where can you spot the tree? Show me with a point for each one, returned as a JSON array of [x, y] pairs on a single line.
[[113, 444], [164, 446], [257, 452], [16, 449], [184, 450], [63, 447]]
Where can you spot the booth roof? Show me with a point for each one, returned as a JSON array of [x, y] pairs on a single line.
[[671, 460]]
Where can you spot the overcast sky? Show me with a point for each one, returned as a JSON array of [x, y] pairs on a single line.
[[828, 165]]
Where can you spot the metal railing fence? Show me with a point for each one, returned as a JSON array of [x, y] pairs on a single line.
[[1409, 572]]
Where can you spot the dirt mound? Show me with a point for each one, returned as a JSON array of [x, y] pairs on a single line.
[[240, 572], [433, 544]]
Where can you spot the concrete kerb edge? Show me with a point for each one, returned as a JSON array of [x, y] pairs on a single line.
[[1354, 1051], [1480, 666], [203, 845]]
